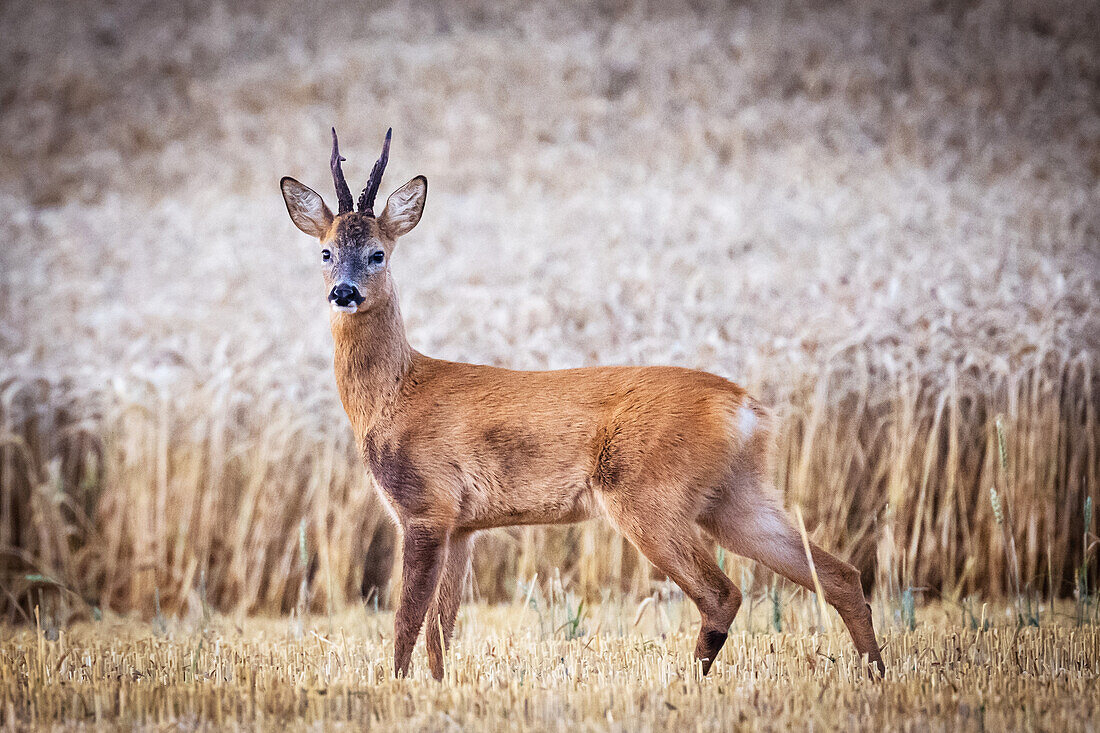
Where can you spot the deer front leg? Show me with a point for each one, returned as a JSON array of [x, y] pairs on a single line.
[[423, 558], [444, 608]]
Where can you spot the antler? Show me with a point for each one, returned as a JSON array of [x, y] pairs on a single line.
[[343, 193], [366, 199]]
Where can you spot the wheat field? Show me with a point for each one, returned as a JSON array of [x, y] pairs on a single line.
[[882, 218]]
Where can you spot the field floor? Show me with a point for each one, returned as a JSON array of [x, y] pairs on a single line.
[[880, 218], [532, 667]]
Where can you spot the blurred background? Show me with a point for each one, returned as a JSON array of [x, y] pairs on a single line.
[[883, 218]]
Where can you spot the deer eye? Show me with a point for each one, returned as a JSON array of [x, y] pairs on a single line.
[[377, 257], [326, 255]]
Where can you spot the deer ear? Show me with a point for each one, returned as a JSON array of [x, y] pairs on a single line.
[[404, 207], [306, 207]]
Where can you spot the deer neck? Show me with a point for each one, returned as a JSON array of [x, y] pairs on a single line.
[[372, 360]]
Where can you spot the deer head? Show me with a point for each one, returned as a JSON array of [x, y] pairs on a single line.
[[356, 244]]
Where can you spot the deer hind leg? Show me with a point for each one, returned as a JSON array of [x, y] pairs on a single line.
[[760, 530], [421, 564], [448, 596], [679, 551]]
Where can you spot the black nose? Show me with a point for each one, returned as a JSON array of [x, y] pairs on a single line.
[[344, 294]]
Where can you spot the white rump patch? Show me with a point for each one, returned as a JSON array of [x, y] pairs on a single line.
[[746, 422]]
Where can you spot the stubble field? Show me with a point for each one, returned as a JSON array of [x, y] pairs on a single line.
[[530, 667], [880, 218]]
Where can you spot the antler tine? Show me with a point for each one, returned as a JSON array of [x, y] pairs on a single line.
[[343, 193], [366, 199]]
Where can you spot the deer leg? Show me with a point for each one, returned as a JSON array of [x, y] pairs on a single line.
[[678, 550], [765, 534], [423, 558], [448, 596]]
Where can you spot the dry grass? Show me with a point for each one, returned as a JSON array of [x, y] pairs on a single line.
[[883, 217], [515, 668]]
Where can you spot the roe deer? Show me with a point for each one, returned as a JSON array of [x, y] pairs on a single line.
[[677, 459]]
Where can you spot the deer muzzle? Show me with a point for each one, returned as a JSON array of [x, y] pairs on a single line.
[[345, 297]]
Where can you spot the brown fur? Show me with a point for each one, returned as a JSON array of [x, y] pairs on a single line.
[[668, 454]]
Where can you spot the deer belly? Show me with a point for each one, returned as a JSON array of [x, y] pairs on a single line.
[[487, 504]]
